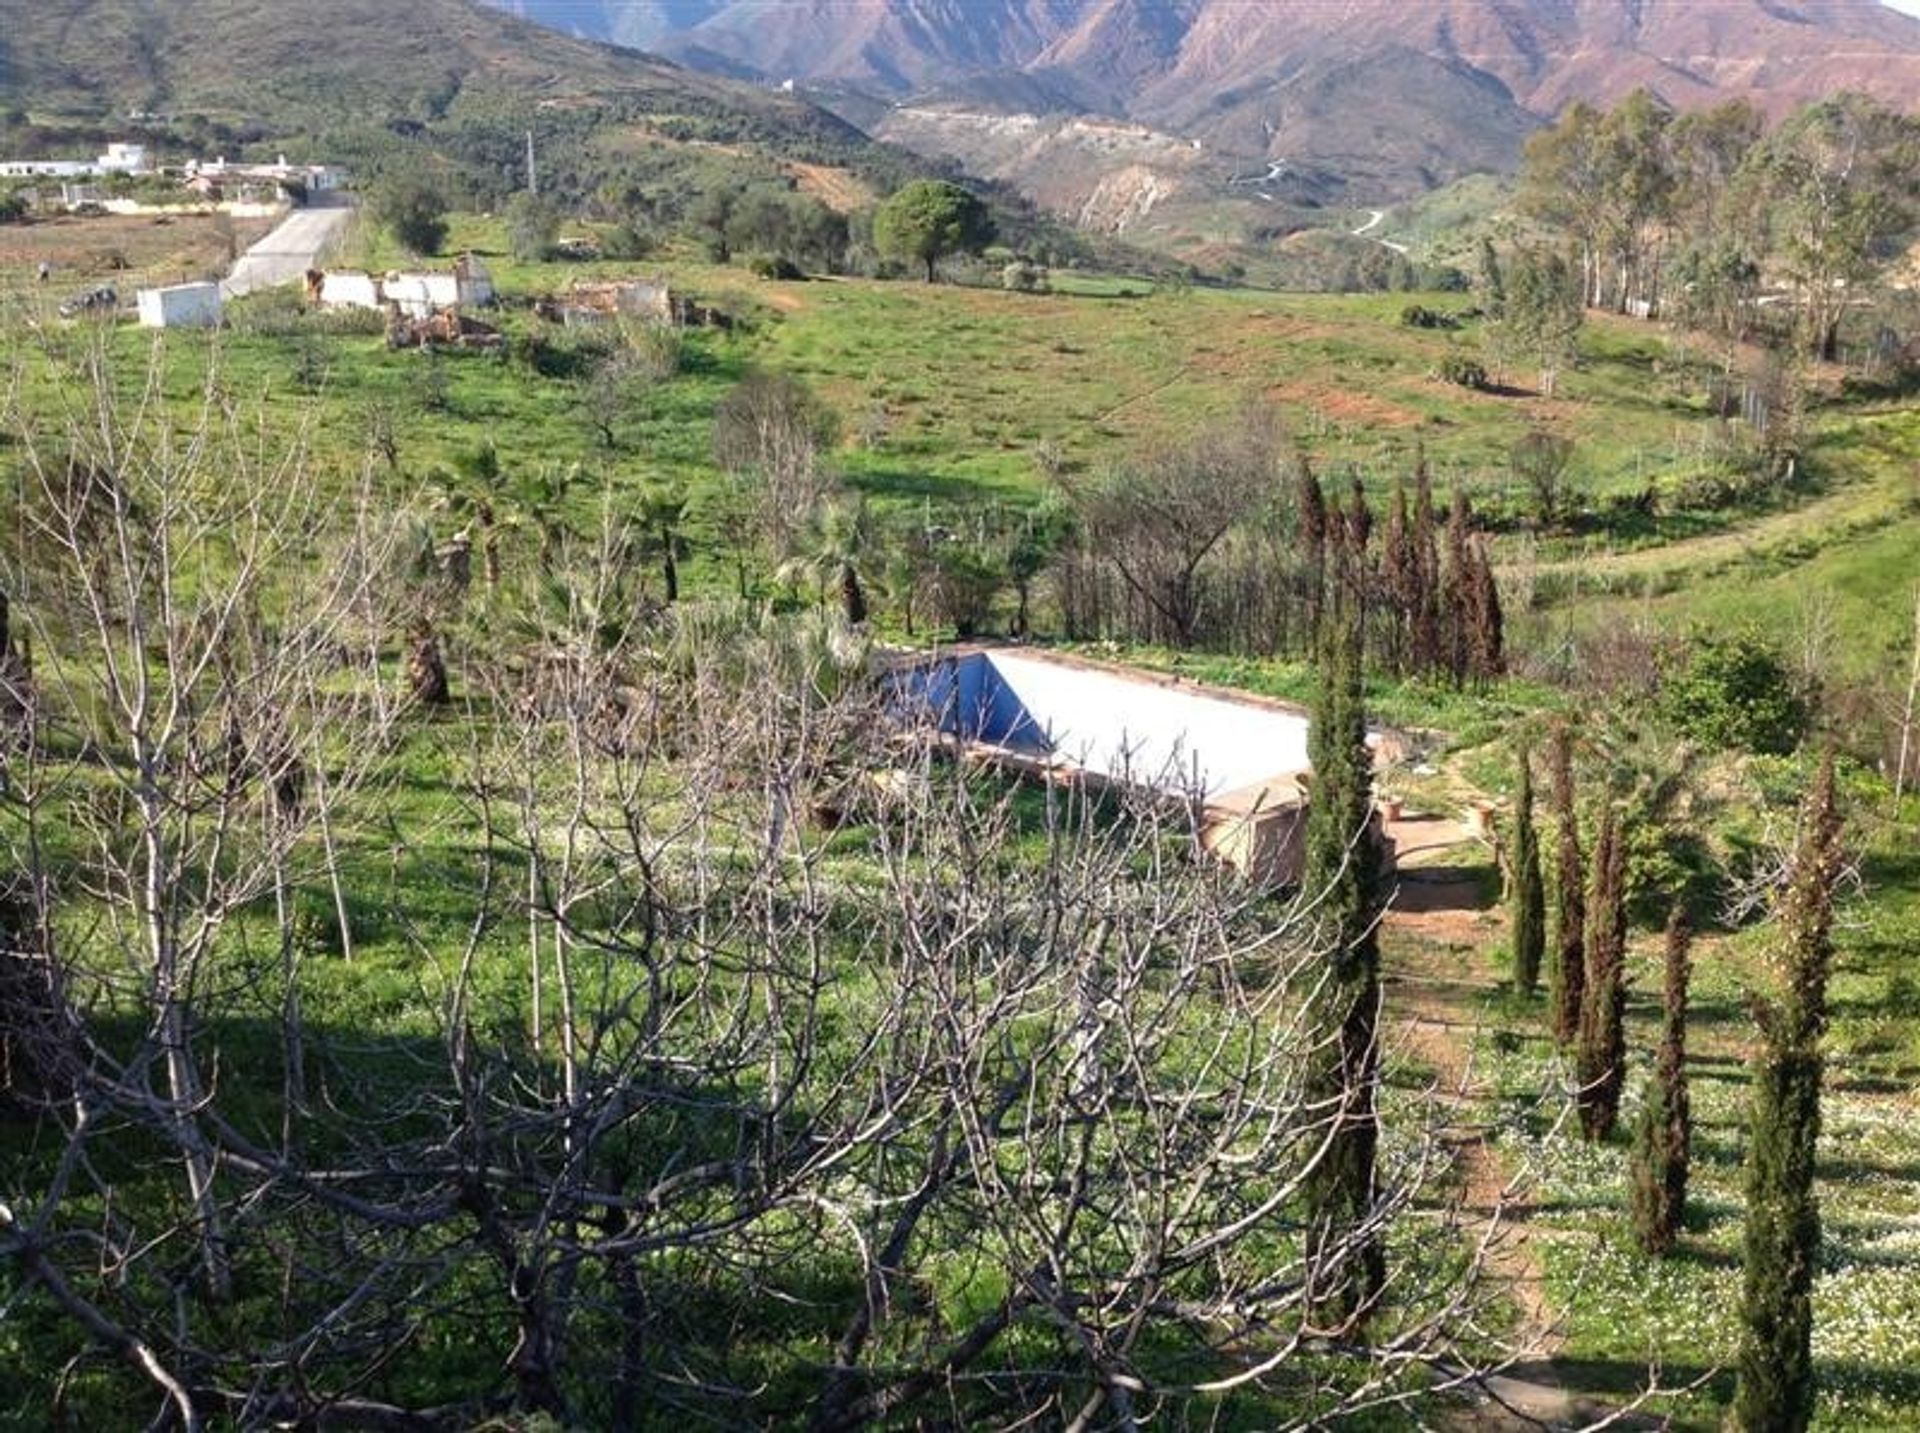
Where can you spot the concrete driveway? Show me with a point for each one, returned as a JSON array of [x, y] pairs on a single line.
[[291, 249]]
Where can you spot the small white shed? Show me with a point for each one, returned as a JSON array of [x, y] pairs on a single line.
[[181, 306], [469, 286], [344, 290]]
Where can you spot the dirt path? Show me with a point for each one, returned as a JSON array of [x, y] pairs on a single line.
[[1441, 916], [1852, 506]]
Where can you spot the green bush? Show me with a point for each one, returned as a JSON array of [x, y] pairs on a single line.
[[1734, 691], [413, 208], [774, 266], [1463, 372]]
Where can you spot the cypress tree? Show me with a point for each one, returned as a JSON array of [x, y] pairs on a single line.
[[1399, 576], [1492, 282], [1529, 888], [1486, 652], [1775, 1389], [1311, 513], [1427, 655], [1566, 958], [1662, 1145], [1341, 876], [1456, 594], [1600, 1059], [1359, 516]]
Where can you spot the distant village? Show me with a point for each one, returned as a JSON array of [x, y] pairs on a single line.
[[216, 183]]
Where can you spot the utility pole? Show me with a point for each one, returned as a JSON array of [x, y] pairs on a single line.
[[533, 174]]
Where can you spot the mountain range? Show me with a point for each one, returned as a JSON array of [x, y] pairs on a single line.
[[1361, 100]]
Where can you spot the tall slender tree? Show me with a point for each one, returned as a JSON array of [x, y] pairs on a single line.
[[1486, 638], [1310, 515], [1341, 875], [1529, 887], [1775, 1389], [1399, 577], [1425, 643], [1456, 592], [1566, 958], [1600, 1063], [1663, 1140]]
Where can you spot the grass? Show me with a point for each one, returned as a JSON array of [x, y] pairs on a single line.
[[1625, 1314], [954, 398]]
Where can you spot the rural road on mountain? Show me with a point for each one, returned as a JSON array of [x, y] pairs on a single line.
[[291, 249], [1379, 215]]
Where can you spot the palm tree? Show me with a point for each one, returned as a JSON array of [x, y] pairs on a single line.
[[838, 550], [660, 512]]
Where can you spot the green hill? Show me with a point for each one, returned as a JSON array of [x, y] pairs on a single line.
[[366, 81]]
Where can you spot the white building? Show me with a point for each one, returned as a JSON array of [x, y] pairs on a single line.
[[467, 285], [314, 178], [181, 306], [119, 159], [124, 159], [344, 290], [46, 169]]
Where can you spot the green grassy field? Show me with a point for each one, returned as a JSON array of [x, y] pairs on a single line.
[[954, 399]]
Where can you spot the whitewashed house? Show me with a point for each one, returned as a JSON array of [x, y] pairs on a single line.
[[181, 306]]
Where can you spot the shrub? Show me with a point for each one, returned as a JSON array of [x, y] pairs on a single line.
[[629, 241], [774, 266], [413, 208], [1463, 372], [1734, 691], [532, 227], [1023, 277]]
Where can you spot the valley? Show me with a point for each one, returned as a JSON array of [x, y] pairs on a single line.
[[1196, 715]]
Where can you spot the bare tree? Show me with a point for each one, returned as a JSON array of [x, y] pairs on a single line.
[[777, 1069], [772, 431], [194, 604], [1158, 521]]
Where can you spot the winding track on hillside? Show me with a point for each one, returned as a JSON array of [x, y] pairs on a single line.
[[1848, 510], [1378, 216]]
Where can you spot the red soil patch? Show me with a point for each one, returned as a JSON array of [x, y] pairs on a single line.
[[1346, 406]]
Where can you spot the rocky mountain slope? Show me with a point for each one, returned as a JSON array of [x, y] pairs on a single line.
[[1389, 96]]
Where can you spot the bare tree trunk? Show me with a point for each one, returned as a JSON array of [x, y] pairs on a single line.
[[1907, 712]]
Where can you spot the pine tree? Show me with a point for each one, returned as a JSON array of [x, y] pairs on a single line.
[[1600, 1060], [1529, 890], [1566, 959], [1663, 1141], [1341, 876], [1775, 1389]]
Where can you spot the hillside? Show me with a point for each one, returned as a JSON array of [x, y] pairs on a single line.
[[363, 81], [1386, 98]]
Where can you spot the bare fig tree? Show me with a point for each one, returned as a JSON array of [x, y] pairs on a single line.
[[765, 1063]]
